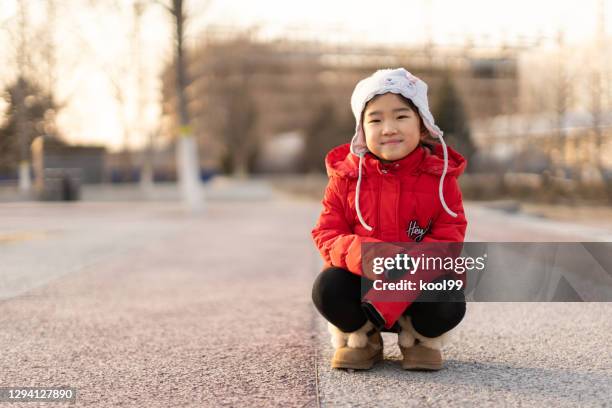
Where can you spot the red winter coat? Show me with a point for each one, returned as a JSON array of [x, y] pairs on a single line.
[[393, 197]]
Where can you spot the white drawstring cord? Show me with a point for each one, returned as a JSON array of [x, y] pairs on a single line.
[[440, 190], [366, 226]]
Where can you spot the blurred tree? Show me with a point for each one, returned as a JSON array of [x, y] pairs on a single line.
[[229, 97], [450, 116], [239, 127], [31, 54], [29, 111], [328, 128], [563, 94], [275, 85], [597, 84]]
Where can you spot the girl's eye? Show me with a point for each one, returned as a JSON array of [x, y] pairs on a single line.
[[403, 117], [374, 121]]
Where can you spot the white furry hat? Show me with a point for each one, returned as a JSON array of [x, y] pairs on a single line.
[[397, 81]]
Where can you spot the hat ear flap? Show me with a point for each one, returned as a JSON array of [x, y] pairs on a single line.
[[358, 143]]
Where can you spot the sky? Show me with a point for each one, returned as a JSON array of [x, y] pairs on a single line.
[[406, 20], [95, 48]]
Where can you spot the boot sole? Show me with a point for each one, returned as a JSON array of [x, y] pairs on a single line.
[[422, 366], [412, 362], [361, 365]]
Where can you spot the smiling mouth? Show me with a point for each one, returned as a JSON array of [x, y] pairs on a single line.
[[392, 142]]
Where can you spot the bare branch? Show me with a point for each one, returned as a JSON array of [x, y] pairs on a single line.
[[163, 5]]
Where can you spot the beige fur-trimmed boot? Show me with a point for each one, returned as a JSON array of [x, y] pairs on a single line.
[[420, 352], [358, 350]]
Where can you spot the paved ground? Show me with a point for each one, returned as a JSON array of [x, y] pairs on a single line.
[[142, 304], [504, 354], [176, 310]]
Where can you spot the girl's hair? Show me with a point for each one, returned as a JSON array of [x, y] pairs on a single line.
[[428, 140]]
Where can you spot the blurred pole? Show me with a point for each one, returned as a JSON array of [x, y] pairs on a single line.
[[25, 183], [187, 153], [146, 172]]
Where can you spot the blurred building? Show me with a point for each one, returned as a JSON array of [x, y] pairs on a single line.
[[245, 91], [535, 142], [51, 153], [563, 115], [125, 166], [60, 169]]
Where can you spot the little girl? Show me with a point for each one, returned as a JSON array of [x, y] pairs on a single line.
[[395, 182]]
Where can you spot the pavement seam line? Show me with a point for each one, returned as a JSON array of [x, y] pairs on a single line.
[[316, 366]]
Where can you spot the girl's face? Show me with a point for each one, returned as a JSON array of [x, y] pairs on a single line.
[[392, 129]]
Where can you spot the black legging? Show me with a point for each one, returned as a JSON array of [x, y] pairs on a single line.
[[337, 295]]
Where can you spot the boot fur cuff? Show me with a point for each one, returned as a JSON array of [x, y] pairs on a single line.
[[405, 337], [408, 335], [356, 339], [338, 337]]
